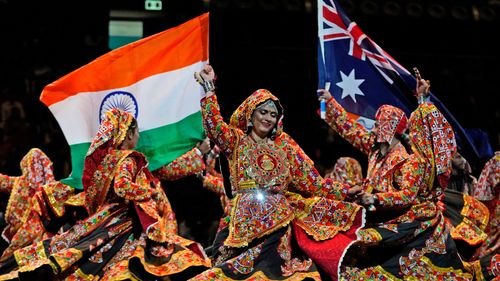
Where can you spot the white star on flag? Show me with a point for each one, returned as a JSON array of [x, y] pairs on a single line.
[[350, 85]]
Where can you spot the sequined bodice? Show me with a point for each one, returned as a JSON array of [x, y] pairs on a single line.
[[262, 165]]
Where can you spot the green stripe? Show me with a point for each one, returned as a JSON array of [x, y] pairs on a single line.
[[161, 146]]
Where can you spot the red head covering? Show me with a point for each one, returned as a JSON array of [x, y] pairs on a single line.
[[243, 114], [37, 168], [37, 171], [432, 137], [391, 120], [110, 135]]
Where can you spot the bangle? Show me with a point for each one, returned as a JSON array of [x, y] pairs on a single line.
[[198, 151], [208, 86]]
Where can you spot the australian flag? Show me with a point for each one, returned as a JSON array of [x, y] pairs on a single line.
[[362, 76]]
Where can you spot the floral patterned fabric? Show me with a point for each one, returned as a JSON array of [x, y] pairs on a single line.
[[48, 205], [433, 139], [487, 184], [44, 216], [36, 170], [273, 183]]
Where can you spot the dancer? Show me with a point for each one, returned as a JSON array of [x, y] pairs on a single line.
[[130, 233], [274, 184], [415, 243]]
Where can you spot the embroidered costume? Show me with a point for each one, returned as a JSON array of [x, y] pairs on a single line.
[[274, 184], [415, 243], [46, 212], [130, 233], [381, 168], [36, 170]]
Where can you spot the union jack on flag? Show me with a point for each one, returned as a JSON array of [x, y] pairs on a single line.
[[363, 76]]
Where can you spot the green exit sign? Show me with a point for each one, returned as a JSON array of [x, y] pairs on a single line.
[[153, 5]]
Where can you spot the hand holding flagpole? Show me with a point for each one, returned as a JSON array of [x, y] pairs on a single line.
[[322, 101]]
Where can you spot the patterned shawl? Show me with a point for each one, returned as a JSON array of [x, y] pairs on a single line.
[[433, 139]]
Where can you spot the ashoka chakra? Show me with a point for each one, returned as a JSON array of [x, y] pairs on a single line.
[[121, 100]]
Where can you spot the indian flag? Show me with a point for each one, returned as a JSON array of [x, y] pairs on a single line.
[[151, 78]]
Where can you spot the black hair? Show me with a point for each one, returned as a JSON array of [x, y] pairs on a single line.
[[133, 124]]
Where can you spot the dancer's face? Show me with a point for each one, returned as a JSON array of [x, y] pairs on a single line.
[[264, 119]]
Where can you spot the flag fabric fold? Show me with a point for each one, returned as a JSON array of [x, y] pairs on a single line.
[[363, 76], [151, 78]]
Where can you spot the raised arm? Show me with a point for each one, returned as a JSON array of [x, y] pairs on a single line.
[[217, 130], [339, 121]]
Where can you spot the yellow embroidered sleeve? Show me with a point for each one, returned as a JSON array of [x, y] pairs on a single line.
[[306, 178], [190, 163]]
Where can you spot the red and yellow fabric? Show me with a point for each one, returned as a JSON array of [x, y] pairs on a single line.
[[190, 163], [105, 245], [391, 120], [274, 183], [433, 139], [416, 240], [48, 204], [36, 170], [347, 170], [379, 174]]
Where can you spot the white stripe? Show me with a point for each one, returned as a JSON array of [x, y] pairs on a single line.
[[162, 99]]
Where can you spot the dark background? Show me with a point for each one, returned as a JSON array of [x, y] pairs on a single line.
[[253, 44]]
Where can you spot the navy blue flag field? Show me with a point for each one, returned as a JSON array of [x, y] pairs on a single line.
[[362, 76]]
